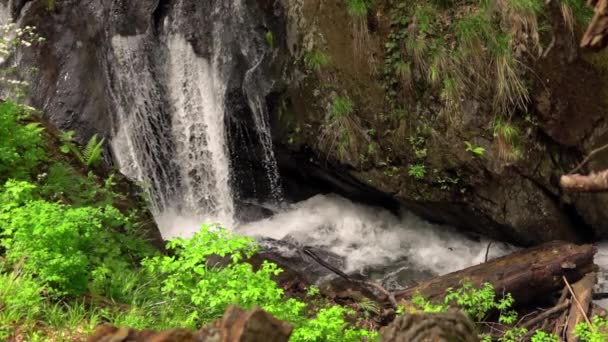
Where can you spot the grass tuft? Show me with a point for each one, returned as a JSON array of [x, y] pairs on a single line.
[[343, 134], [315, 60], [508, 139]]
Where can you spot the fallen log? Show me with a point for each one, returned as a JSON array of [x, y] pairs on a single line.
[[582, 293], [594, 182], [529, 274]]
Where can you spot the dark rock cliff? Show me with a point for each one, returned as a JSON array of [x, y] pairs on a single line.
[[511, 198]]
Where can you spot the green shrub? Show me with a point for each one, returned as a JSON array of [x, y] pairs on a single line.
[[541, 336], [478, 303], [596, 332], [192, 281], [330, 325], [65, 247], [63, 183], [418, 171], [21, 145], [206, 274]]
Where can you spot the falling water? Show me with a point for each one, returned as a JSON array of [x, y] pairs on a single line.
[[196, 93], [171, 110], [142, 144], [171, 98]]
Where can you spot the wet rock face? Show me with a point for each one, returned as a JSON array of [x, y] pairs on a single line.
[[513, 200], [70, 83], [79, 87]]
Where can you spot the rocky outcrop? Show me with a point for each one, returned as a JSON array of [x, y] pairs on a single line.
[[515, 199]]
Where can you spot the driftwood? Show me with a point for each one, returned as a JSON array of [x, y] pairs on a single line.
[[559, 308], [596, 36], [595, 182], [528, 275], [581, 296]]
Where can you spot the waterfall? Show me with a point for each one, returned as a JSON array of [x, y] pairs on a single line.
[[196, 93], [170, 97]]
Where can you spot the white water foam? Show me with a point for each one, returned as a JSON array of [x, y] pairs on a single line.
[[371, 237], [601, 259]]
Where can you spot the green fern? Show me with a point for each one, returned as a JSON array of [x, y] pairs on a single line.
[[91, 154], [68, 145]]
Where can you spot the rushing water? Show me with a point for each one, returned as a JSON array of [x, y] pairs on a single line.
[[171, 135]]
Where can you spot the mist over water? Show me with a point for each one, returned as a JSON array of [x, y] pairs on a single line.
[[371, 237], [367, 238]]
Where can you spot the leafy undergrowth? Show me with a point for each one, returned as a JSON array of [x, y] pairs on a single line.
[[70, 259], [495, 318]]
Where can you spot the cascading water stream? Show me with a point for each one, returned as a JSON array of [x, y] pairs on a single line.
[[171, 99], [171, 112]]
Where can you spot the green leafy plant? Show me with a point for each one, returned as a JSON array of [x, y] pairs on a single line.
[[68, 145], [477, 303], [63, 183], [541, 336], [341, 107], [330, 325], [476, 150], [207, 287], [418, 143], [596, 332], [89, 155], [21, 144], [418, 171], [57, 243], [427, 306]]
